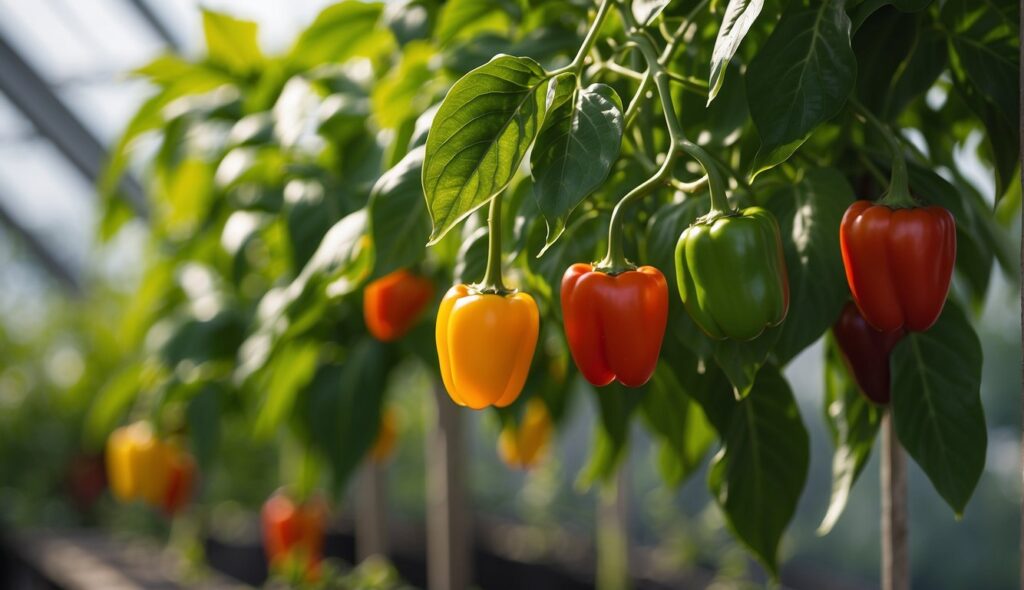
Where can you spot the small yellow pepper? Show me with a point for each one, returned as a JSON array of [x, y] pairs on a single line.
[[384, 446], [485, 343], [525, 446]]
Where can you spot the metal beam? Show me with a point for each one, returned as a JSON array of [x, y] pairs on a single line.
[[31, 95], [155, 23], [60, 271]]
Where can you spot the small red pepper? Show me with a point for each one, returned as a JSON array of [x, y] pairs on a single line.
[[393, 303], [615, 323], [181, 474], [898, 262], [293, 533], [866, 352]]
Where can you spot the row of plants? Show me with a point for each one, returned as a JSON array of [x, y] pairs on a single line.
[[671, 200]]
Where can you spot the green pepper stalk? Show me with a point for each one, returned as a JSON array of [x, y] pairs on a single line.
[[898, 195], [492, 282]]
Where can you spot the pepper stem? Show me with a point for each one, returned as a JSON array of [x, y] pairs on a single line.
[[492, 277], [898, 195], [615, 260]]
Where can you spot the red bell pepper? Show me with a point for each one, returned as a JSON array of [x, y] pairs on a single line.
[[615, 323], [898, 262], [293, 533]]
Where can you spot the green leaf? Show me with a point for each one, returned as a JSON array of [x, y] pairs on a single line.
[[340, 31], [398, 217], [809, 214], [231, 42], [575, 149], [289, 371], [644, 11], [309, 214], [767, 158], [758, 476], [741, 361], [936, 404], [616, 404], [203, 415], [917, 73], [409, 88], [985, 59], [681, 430], [111, 402], [344, 407], [479, 137], [802, 75], [739, 16], [469, 18], [344, 258], [853, 422]]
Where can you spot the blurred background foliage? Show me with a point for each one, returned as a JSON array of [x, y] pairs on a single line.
[[281, 182]]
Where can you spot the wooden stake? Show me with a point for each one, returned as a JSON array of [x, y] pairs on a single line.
[[448, 550], [895, 555], [371, 511], [613, 533]]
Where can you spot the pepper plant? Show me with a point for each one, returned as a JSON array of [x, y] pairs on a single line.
[[641, 146]]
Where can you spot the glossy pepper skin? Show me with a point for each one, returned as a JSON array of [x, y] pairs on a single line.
[[866, 352], [899, 263], [293, 533], [731, 274], [524, 446], [485, 343], [615, 323], [393, 303]]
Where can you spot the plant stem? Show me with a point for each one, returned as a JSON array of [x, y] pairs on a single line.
[[898, 195], [492, 277], [588, 42], [615, 260]]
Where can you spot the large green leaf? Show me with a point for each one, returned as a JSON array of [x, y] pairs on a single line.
[[803, 74], [398, 217], [409, 88], [479, 137], [853, 422], [465, 18], [344, 407], [289, 371], [936, 404], [739, 16], [575, 149], [341, 31], [231, 42], [681, 430], [809, 213], [985, 59], [760, 472]]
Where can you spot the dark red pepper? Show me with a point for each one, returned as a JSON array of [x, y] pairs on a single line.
[[866, 352]]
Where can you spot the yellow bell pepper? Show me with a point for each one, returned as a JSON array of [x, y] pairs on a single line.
[[525, 446], [485, 344], [119, 472]]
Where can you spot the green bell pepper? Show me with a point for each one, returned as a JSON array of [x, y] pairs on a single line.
[[731, 273]]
